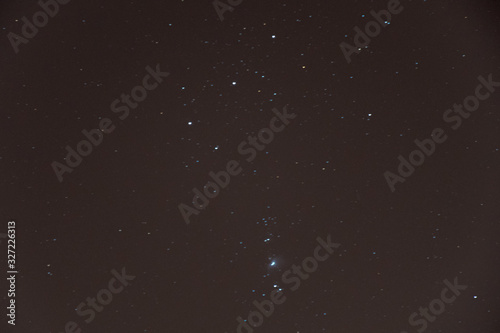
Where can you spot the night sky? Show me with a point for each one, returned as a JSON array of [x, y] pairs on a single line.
[[325, 184]]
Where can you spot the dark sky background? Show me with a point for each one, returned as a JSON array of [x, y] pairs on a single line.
[[322, 175]]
